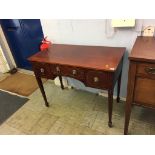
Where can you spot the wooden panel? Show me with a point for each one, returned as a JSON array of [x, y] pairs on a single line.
[[143, 49], [146, 70], [90, 57], [98, 79], [145, 91]]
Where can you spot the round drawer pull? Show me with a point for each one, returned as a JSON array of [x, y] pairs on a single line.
[[57, 69], [42, 70], [74, 72], [96, 79]]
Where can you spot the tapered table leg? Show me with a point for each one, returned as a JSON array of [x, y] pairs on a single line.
[[42, 90], [110, 106], [130, 93], [118, 87], [127, 117]]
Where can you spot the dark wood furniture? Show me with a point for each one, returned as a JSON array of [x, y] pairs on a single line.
[[141, 77], [96, 66]]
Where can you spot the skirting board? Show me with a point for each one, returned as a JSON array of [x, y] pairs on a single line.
[[114, 97], [104, 94], [25, 71]]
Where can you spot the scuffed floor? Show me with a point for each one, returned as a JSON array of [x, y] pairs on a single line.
[[75, 112]]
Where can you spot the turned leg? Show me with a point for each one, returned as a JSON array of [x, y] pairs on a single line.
[[60, 78], [110, 106], [42, 89], [118, 87]]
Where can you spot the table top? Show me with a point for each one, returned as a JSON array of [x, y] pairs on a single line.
[[143, 49], [92, 57]]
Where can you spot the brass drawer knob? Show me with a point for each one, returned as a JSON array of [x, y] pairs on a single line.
[[42, 70], [150, 70], [96, 79], [74, 72], [57, 69]]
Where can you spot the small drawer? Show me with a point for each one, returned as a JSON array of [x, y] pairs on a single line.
[[98, 79], [146, 69], [73, 72], [56, 69], [42, 69]]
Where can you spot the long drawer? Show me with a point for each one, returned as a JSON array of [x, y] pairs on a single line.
[[146, 69]]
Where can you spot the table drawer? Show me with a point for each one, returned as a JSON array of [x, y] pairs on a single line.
[[146, 69], [73, 72], [42, 69], [145, 91], [98, 79]]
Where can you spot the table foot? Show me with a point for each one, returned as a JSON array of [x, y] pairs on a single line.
[[110, 124], [47, 104], [118, 99]]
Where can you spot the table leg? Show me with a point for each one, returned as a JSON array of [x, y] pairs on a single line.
[[118, 87], [127, 117], [60, 78], [42, 90], [130, 94], [110, 106]]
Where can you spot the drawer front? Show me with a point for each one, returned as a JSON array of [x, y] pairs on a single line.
[[73, 72], [42, 69], [145, 91], [146, 69], [98, 79]]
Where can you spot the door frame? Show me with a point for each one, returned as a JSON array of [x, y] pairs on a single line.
[[6, 50]]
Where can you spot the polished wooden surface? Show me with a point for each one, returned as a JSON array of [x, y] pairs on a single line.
[[141, 77], [143, 49], [145, 91], [95, 66], [143, 69], [82, 56]]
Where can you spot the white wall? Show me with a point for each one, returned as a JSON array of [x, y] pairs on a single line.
[[95, 32]]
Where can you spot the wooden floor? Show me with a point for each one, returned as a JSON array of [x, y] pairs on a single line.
[[74, 112]]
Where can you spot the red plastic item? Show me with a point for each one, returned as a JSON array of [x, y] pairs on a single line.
[[45, 44]]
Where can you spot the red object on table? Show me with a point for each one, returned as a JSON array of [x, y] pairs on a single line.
[[45, 44]]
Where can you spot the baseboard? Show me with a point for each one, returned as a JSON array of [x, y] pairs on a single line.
[[104, 94], [25, 71], [114, 97]]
